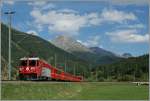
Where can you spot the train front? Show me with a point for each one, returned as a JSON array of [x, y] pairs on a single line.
[[29, 68]]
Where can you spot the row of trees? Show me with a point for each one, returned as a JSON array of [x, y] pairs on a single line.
[[131, 69]]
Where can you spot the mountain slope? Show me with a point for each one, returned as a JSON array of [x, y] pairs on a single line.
[[94, 55], [101, 52], [24, 45], [69, 44]]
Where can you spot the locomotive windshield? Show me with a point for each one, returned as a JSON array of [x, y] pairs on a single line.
[[24, 63], [29, 61], [32, 63]]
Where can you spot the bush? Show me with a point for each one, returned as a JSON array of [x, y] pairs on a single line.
[[126, 78], [101, 79]]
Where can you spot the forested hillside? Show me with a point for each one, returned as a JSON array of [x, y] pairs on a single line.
[[24, 45], [130, 69]]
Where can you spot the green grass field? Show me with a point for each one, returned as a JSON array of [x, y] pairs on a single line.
[[84, 91]]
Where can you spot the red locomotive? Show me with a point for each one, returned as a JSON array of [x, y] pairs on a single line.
[[33, 68]]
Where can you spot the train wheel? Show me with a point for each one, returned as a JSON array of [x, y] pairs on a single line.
[[21, 77]]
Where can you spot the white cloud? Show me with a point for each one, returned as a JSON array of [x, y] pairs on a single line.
[[48, 6], [67, 11], [136, 26], [94, 18], [128, 36], [68, 21], [132, 26], [42, 5], [117, 16], [37, 3], [60, 22], [91, 41], [32, 32], [10, 2]]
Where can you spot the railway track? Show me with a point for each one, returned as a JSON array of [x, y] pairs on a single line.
[[17, 81], [64, 82]]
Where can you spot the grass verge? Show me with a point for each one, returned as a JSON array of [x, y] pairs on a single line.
[[82, 91]]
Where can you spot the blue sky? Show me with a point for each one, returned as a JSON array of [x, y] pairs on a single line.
[[120, 28]]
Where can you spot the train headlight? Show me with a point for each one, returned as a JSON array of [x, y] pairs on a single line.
[[27, 68], [20, 69], [32, 68]]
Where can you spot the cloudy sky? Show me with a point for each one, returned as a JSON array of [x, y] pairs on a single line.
[[121, 27]]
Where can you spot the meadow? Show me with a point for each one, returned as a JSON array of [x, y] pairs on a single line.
[[73, 90]]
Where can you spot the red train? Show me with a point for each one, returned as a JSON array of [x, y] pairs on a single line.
[[33, 68]]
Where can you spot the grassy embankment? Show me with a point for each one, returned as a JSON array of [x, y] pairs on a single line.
[[101, 90]]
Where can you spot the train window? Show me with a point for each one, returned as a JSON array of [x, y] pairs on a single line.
[[58, 72], [32, 63], [24, 63]]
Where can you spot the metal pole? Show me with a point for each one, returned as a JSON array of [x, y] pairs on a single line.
[[9, 42], [77, 68], [90, 70], [96, 75], [74, 69], [65, 64], [55, 60], [9, 63]]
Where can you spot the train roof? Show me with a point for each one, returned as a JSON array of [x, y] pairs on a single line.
[[30, 58]]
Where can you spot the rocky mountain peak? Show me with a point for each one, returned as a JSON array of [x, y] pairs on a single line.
[[69, 44], [126, 55]]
